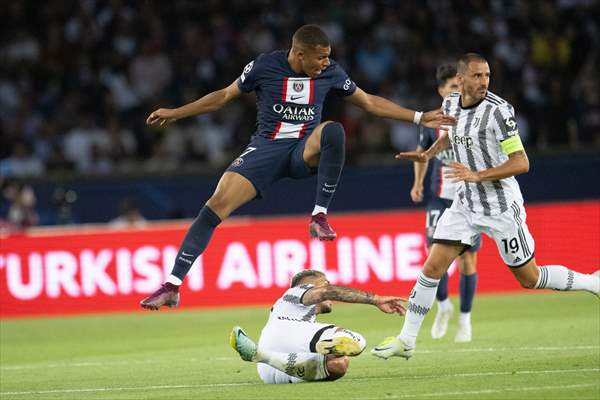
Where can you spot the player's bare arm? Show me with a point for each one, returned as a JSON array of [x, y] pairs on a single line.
[[420, 170], [424, 156], [517, 163], [382, 107], [209, 103], [387, 304]]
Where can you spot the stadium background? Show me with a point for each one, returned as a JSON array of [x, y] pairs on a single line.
[[94, 203], [79, 78]]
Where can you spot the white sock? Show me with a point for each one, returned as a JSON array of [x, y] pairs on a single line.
[[445, 305], [306, 366], [558, 277], [464, 318], [421, 300], [174, 280], [319, 209]]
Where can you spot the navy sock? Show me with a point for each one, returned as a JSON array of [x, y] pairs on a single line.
[[468, 283], [195, 241], [442, 291], [331, 162]]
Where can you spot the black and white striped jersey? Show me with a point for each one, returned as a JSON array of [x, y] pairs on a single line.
[[476, 143]]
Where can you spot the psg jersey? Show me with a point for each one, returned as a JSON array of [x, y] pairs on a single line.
[[290, 104]]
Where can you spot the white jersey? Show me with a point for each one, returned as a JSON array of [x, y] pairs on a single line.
[[292, 326], [289, 307], [476, 142]]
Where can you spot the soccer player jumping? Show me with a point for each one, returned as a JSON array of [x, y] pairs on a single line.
[[290, 141], [489, 154]]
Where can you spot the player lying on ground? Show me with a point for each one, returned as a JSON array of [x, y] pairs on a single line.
[[440, 198], [290, 141], [294, 347], [489, 154]]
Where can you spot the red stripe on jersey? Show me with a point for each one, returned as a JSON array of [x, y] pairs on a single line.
[[304, 125], [312, 91], [284, 91], [277, 128]]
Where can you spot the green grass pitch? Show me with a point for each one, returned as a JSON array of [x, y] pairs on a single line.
[[526, 346]]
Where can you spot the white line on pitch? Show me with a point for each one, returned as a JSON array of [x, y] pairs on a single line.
[[211, 385], [486, 391], [149, 361]]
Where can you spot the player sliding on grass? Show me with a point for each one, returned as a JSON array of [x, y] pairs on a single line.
[[488, 200], [290, 141], [293, 347]]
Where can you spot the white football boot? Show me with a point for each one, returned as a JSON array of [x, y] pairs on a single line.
[[393, 347], [440, 323]]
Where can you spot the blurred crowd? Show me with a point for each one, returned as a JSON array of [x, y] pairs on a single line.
[[78, 78]]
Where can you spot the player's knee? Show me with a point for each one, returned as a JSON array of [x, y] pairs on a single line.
[[337, 367], [333, 133], [433, 270]]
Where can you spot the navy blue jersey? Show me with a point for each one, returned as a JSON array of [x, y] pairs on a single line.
[[440, 186], [290, 104]]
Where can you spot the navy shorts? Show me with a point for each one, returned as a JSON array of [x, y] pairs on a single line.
[[265, 161], [435, 208]]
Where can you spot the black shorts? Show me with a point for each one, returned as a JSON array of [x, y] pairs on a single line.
[[265, 161], [435, 208]]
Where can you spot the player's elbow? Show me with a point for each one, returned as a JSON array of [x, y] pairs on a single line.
[[524, 166], [337, 367]]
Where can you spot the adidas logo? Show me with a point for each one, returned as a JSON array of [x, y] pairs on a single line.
[[517, 259]]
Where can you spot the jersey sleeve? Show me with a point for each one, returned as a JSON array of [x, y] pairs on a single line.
[[426, 137], [342, 84], [294, 295], [248, 80], [506, 130]]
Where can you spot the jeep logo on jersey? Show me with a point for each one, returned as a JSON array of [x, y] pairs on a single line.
[[298, 86], [295, 113], [463, 141]]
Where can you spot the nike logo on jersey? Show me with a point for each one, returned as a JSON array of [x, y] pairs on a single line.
[[183, 253], [295, 97]]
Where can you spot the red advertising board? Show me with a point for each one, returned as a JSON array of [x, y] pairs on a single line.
[[250, 260]]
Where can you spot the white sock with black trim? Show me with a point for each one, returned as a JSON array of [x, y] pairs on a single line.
[[306, 366], [421, 300], [558, 277]]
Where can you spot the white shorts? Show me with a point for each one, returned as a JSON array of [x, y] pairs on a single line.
[[460, 226], [290, 337]]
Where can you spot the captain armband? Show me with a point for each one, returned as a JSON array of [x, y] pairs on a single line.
[[511, 145]]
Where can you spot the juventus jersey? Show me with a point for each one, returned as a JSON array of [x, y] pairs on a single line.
[[476, 140], [290, 308]]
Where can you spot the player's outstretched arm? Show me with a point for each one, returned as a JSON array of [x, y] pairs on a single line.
[[387, 304], [211, 102], [517, 163], [382, 107], [424, 156]]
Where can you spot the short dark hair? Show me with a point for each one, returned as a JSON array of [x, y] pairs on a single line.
[[466, 59], [444, 72], [311, 35], [300, 276]]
